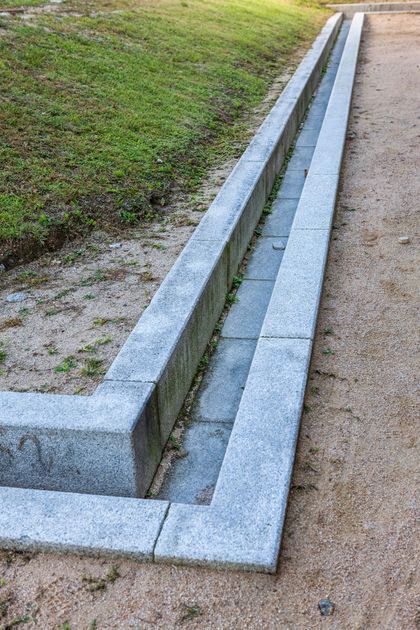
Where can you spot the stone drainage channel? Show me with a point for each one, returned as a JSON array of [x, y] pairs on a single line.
[[72, 467], [192, 477]]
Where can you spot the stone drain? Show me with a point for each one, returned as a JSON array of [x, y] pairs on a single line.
[[192, 477], [108, 444]]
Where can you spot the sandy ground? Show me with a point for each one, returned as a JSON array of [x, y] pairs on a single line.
[[350, 531]]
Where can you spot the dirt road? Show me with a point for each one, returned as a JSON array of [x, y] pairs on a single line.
[[350, 530]]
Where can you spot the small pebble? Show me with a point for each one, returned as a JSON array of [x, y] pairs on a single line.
[[326, 607], [115, 245], [404, 240], [17, 297], [279, 245]]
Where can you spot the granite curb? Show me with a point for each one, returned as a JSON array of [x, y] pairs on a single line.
[[42, 442]]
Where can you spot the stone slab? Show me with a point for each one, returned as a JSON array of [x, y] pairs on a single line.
[[317, 203], [221, 539], [104, 444], [265, 260], [192, 478], [292, 185], [308, 137], [260, 453], [301, 158], [279, 222], [238, 195], [246, 316], [155, 337], [39, 520], [220, 392], [293, 307], [314, 121], [318, 108]]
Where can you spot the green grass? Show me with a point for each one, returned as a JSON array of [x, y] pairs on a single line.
[[7, 4], [104, 114]]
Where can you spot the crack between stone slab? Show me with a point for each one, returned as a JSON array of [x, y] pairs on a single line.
[[160, 531], [290, 338], [227, 423], [255, 161], [208, 240], [128, 380], [261, 279], [242, 338], [311, 229], [258, 279]]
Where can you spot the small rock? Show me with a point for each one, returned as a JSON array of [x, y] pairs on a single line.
[[115, 245], [17, 297], [279, 245], [326, 607], [404, 240], [2, 268]]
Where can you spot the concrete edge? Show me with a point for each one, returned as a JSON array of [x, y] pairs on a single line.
[[45, 444], [293, 309], [349, 10], [40, 520], [243, 526], [81, 444]]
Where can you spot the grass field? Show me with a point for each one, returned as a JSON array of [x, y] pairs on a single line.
[[109, 104]]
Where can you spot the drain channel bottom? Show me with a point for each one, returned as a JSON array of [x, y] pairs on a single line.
[[192, 478]]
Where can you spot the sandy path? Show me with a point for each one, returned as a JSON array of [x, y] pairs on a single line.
[[350, 531]]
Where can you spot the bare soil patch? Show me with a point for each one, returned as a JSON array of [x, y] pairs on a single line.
[[350, 532]]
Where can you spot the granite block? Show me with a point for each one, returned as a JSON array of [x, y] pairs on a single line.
[[221, 389], [293, 307], [246, 316]]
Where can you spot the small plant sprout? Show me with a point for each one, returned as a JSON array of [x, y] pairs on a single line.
[[3, 354], [174, 443], [69, 363], [92, 368], [237, 280], [231, 298]]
